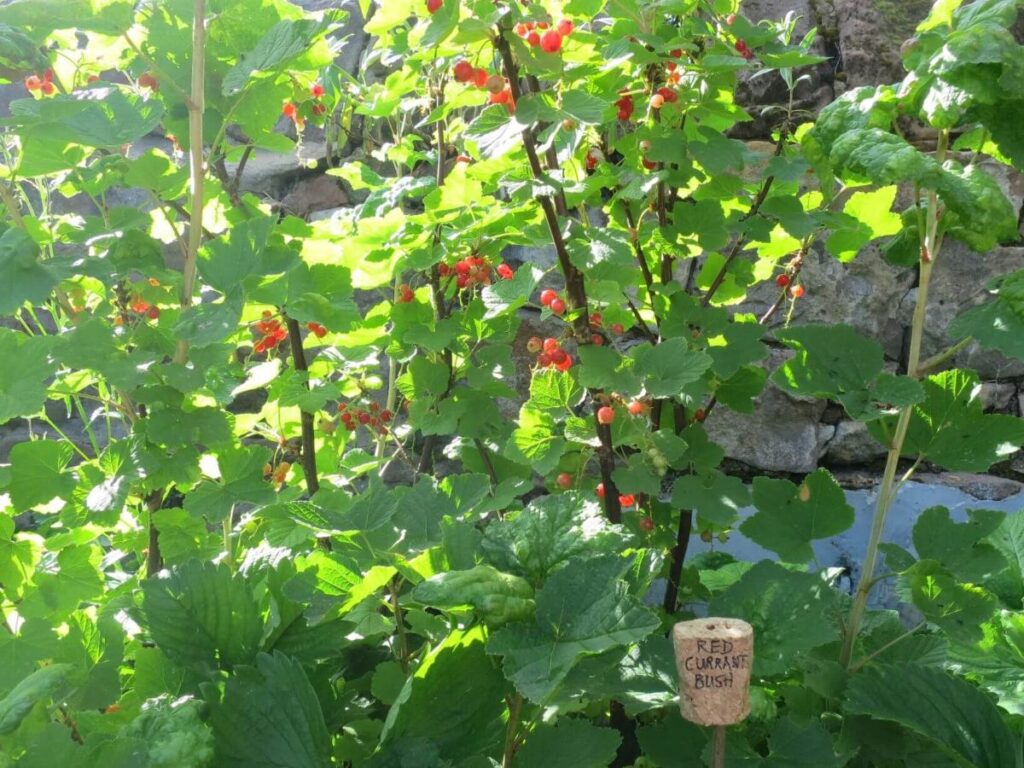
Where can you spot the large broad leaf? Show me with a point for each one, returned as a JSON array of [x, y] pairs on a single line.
[[23, 386], [949, 427], [286, 40], [201, 614], [41, 17], [269, 717], [547, 533], [791, 613], [455, 698], [952, 714], [957, 607], [789, 517], [569, 743], [38, 686], [104, 118], [960, 546], [836, 362], [668, 367], [585, 608], [38, 473], [641, 678], [996, 662], [241, 482], [249, 249], [999, 323], [1009, 540], [802, 745], [496, 597], [535, 441], [717, 497], [979, 213], [25, 278]]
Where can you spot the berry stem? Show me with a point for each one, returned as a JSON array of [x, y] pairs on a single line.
[[574, 286]]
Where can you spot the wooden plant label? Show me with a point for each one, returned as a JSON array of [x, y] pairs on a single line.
[[714, 657]]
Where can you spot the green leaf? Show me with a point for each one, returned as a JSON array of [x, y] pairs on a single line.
[[554, 391], [249, 249], [717, 497], [669, 367], [958, 608], [569, 743], [285, 41], [269, 717], [493, 132], [37, 473], [802, 745], [496, 597], [23, 386], [104, 118], [38, 686], [959, 546], [582, 609], [1009, 540], [958, 719], [950, 428], [455, 698], [200, 614], [999, 323], [534, 441], [883, 158], [25, 278], [836, 362], [110, 17], [547, 534], [790, 612], [241, 482], [996, 662], [790, 517]]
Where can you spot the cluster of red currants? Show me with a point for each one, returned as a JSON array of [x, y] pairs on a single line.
[[142, 307], [371, 417], [291, 110], [549, 298], [663, 96], [743, 50], [539, 34], [317, 330], [550, 353], [276, 474], [795, 291], [498, 88], [474, 270], [626, 500], [625, 106], [594, 158], [405, 294], [42, 84], [271, 332]]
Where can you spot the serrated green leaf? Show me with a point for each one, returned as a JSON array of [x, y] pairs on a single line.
[[959, 719], [547, 534], [669, 367], [716, 497], [960, 546], [201, 615], [788, 610], [269, 717], [569, 743], [790, 517], [38, 686], [582, 609]]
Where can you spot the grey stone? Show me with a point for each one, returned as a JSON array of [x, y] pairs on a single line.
[[782, 435], [997, 396], [958, 283], [273, 173], [767, 97], [863, 293], [316, 193], [853, 444], [870, 33], [983, 487]]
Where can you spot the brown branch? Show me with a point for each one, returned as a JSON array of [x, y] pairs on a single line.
[[308, 436], [574, 285]]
